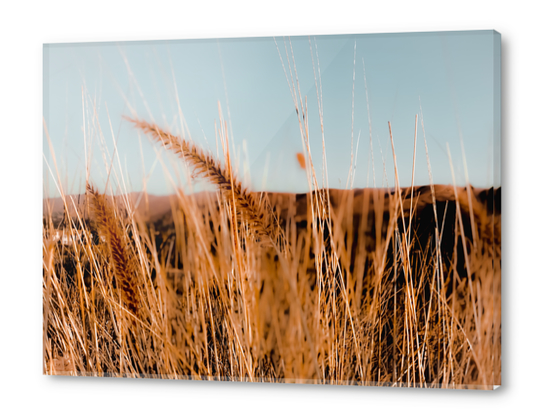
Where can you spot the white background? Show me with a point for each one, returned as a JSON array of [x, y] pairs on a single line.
[[24, 28]]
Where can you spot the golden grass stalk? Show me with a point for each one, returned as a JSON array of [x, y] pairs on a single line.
[[123, 262], [258, 216]]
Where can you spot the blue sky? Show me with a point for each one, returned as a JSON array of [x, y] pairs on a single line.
[[453, 75]]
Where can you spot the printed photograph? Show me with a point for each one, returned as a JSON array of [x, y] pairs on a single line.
[[313, 209]]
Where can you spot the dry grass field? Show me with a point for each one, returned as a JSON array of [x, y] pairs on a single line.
[[395, 287]]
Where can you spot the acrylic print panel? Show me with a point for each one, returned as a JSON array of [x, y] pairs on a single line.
[[317, 209]]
